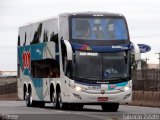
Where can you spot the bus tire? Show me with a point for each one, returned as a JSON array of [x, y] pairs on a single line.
[[28, 99], [59, 103], [80, 106], [115, 107], [54, 100], [110, 107]]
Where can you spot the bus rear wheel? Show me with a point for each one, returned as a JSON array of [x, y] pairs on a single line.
[[59, 103], [110, 107], [31, 103], [54, 100], [28, 99]]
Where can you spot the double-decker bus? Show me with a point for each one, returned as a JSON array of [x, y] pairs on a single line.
[[75, 59]]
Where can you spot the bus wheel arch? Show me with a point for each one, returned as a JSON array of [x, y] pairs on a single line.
[[58, 89], [52, 91], [29, 96], [24, 91], [29, 88], [58, 99]]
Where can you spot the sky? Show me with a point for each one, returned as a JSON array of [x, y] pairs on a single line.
[[143, 18]]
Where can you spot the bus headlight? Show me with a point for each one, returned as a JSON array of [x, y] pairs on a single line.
[[79, 89], [126, 88]]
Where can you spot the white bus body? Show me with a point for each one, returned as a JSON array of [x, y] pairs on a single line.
[[50, 61]]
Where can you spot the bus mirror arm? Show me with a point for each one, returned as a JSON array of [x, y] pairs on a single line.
[[68, 49], [137, 55]]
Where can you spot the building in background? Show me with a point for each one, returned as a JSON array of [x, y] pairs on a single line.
[[153, 66]]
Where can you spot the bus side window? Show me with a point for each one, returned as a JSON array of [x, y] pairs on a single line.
[[46, 68], [54, 73]]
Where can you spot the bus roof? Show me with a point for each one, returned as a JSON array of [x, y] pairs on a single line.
[[37, 21], [86, 13], [90, 13]]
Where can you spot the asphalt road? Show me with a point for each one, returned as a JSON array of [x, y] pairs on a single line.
[[18, 110]]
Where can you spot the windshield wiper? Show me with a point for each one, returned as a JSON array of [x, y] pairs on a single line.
[[116, 78], [90, 77]]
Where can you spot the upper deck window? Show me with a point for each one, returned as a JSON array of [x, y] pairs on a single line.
[[99, 29]]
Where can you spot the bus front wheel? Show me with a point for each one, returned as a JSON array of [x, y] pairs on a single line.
[[110, 107]]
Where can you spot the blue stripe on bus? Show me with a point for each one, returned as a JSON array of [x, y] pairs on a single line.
[[122, 84], [38, 84], [36, 52], [113, 48]]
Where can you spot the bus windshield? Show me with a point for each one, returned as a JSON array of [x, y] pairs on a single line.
[[101, 66], [99, 29]]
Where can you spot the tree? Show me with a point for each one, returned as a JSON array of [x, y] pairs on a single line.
[[144, 64], [133, 62]]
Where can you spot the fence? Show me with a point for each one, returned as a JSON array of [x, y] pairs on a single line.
[[8, 88], [146, 98], [7, 79], [147, 80]]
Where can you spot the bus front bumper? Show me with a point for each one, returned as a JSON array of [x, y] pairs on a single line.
[[98, 97]]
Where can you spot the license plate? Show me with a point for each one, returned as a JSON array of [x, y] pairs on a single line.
[[102, 99]]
